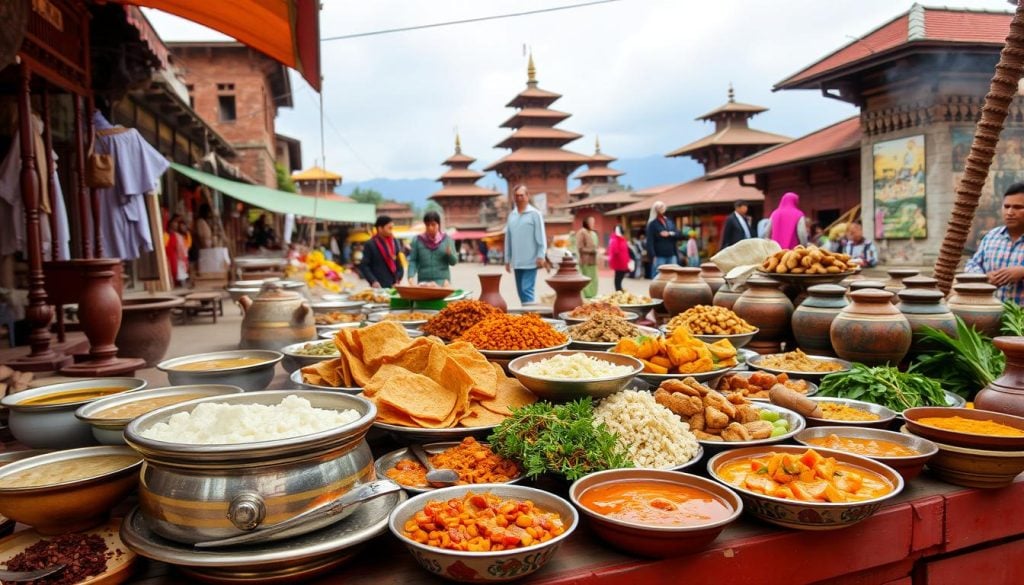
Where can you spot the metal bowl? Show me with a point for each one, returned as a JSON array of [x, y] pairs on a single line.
[[909, 466], [642, 308], [812, 388], [502, 565], [110, 431], [375, 307], [709, 378], [542, 310], [799, 514], [68, 506], [796, 424], [961, 438], [54, 426], [606, 345], [806, 280], [564, 390], [192, 493], [812, 376], [296, 378], [502, 358], [323, 307], [293, 361], [565, 316], [410, 435], [252, 377], [885, 416], [386, 462], [975, 468], [650, 540], [737, 340], [330, 333], [407, 323]]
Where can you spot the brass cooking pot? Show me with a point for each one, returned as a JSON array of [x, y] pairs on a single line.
[[275, 318]]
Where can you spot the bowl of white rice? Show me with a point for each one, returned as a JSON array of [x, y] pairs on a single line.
[[220, 466], [562, 376]]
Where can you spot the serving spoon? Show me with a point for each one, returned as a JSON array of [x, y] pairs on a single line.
[[15, 576], [437, 477]]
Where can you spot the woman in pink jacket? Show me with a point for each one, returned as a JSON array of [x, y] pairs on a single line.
[[618, 256]]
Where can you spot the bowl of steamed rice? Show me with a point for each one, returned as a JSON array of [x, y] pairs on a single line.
[[561, 376], [221, 466]]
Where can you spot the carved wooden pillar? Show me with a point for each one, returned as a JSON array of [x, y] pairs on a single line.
[[84, 204], [39, 313], [94, 193]]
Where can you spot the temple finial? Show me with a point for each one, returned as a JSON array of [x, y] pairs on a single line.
[[531, 70], [458, 142], [732, 94], [597, 145]]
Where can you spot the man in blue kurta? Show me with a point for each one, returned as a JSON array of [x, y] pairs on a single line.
[[525, 243]]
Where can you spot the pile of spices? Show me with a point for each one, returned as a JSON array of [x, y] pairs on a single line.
[[457, 317], [503, 332], [83, 555], [603, 327]]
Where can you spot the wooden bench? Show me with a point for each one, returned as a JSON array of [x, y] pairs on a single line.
[[199, 303]]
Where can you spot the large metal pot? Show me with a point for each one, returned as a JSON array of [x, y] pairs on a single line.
[[275, 318], [195, 493]]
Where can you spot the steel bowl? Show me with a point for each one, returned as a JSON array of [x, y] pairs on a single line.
[[975, 468], [407, 323], [252, 377], [606, 345], [565, 390], [296, 378], [110, 431], [293, 361], [799, 514], [709, 378], [565, 316], [388, 461], [651, 540], [409, 435], [496, 566], [55, 426], [909, 466], [542, 310], [812, 388], [324, 307], [885, 415], [502, 358], [815, 377], [192, 493], [60, 507], [796, 424], [961, 438]]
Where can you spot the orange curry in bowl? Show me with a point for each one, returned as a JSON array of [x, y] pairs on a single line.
[[808, 477], [866, 447], [652, 502]]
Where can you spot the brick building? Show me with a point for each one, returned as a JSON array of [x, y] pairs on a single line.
[[238, 91]]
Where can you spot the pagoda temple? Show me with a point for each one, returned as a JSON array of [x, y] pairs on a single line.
[[598, 178], [537, 159], [318, 182], [465, 203], [733, 138]]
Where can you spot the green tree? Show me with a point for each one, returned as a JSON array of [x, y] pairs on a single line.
[[284, 180], [367, 196]]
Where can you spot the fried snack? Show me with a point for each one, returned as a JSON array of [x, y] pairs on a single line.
[[457, 317], [714, 416], [679, 353], [757, 384], [371, 295], [410, 316], [808, 260], [622, 297], [504, 332], [603, 327], [596, 307], [710, 320], [335, 317], [797, 361], [473, 461]]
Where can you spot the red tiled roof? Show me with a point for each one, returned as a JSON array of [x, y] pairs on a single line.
[[841, 137], [536, 115], [918, 24], [533, 93], [733, 107], [699, 191], [538, 133], [461, 174], [613, 198], [458, 158], [330, 196], [600, 172], [730, 135], [532, 154], [463, 191]]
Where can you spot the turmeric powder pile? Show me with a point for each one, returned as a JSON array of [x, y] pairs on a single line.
[[504, 332]]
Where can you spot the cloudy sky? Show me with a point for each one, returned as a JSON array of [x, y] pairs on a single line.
[[635, 72]]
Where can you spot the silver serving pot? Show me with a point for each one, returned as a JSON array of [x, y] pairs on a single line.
[[196, 493]]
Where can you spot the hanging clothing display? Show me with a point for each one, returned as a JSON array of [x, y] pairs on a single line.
[[124, 225], [12, 208]]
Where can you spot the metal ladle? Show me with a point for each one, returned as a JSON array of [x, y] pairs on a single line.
[[435, 477], [16, 576]]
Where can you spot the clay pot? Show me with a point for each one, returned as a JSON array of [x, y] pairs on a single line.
[[275, 318], [146, 327], [666, 273], [895, 282], [970, 278], [921, 282], [977, 305], [568, 285], [1006, 393], [864, 284], [712, 274], [813, 318], [764, 306], [726, 296], [687, 290], [490, 290], [870, 330], [924, 307]]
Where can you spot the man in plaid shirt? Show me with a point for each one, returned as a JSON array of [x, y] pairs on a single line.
[[1000, 254]]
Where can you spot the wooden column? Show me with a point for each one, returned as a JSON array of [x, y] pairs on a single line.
[[51, 185], [82, 191], [39, 313]]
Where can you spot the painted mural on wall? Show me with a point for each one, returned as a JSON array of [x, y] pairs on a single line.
[[899, 183], [1007, 169]]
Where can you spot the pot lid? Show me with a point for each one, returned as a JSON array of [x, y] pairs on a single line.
[[272, 291], [567, 273], [826, 290], [920, 295]]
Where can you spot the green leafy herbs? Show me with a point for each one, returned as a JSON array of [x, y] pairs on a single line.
[[883, 385], [560, 439], [964, 364], [1013, 318]]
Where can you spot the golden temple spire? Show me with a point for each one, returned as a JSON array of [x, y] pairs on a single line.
[[732, 94], [597, 144], [531, 71], [458, 142]]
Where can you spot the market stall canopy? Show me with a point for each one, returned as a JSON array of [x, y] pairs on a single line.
[[282, 201], [287, 31]]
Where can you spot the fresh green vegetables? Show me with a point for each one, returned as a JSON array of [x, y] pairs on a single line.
[[1013, 319], [559, 439], [883, 385], [963, 365]]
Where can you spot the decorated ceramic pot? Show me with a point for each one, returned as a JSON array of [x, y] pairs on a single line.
[[1006, 393], [921, 282], [871, 330], [726, 296], [895, 283], [666, 273], [864, 284], [687, 290], [712, 275], [925, 307], [813, 318], [764, 306], [977, 305]]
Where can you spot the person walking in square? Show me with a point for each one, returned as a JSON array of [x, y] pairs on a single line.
[[433, 253], [525, 243], [381, 265], [619, 256], [662, 236], [737, 226], [587, 241]]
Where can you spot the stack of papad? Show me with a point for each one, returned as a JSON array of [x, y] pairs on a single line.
[[420, 382]]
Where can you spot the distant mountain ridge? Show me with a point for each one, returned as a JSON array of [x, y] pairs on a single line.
[[642, 172]]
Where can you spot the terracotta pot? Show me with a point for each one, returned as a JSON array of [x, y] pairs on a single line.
[[568, 284], [275, 318], [712, 275], [764, 306], [864, 284], [870, 330], [490, 290], [970, 278], [925, 307], [895, 282], [921, 282], [1006, 393], [146, 327], [726, 296], [687, 290], [977, 305], [666, 273], [813, 318]]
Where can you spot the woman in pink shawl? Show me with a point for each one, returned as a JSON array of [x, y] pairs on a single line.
[[788, 227]]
